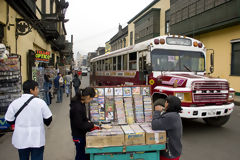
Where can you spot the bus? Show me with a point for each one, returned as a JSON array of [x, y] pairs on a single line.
[[172, 65]]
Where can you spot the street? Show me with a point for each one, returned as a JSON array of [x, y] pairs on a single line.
[[199, 140]]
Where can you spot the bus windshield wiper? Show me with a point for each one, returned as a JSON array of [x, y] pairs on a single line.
[[187, 68]]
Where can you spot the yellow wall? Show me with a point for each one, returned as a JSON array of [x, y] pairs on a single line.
[[220, 41], [31, 41], [163, 5], [3, 11]]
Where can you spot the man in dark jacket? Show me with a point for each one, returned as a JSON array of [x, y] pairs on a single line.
[[170, 121]]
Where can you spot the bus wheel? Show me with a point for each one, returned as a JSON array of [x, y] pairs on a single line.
[[217, 121], [160, 102]]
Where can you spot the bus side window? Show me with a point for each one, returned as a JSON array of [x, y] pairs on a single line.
[[114, 63], [119, 64], [133, 61], [125, 63]]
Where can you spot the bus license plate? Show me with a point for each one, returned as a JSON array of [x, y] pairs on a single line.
[[210, 113]]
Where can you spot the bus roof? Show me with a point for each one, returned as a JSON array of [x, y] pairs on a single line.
[[146, 44]]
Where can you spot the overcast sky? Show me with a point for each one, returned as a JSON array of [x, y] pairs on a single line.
[[94, 22]]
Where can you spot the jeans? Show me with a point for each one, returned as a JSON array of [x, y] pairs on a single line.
[[36, 153], [76, 90], [59, 94], [47, 98], [80, 143], [67, 89]]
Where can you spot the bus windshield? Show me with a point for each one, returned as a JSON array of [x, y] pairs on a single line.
[[177, 60]]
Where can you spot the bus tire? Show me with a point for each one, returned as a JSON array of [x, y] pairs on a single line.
[[217, 121]]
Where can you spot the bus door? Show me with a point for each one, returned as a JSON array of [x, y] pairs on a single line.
[[142, 65]]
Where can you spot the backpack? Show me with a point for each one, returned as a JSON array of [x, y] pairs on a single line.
[[76, 82]]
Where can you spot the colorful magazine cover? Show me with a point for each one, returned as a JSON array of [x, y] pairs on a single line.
[[109, 108], [136, 90], [118, 91], [129, 110], [108, 91], [120, 112], [127, 91], [145, 91], [100, 91]]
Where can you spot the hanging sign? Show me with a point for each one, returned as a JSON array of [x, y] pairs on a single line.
[[42, 56]]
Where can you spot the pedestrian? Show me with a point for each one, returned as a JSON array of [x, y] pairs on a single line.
[[68, 79], [170, 121], [29, 114], [80, 124], [50, 89], [76, 83], [46, 87], [59, 85]]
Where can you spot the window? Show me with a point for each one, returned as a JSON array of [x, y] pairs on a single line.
[[106, 65], [125, 59], [102, 65], [131, 38], [119, 64], [235, 65], [133, 61], [114, 63], [44, 6], [110, 62], [167, 27], [51, 6]]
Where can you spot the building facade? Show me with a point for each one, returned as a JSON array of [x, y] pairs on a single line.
[[28, 27], [217, 24], [119, 40], [149, 23]]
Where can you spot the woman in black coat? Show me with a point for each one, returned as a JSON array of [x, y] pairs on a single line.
[[80, 124]]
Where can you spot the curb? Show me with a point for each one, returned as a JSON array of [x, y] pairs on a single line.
[[236, 103]]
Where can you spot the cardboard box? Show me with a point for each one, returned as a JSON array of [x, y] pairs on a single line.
[[134, 134], [153, 137], [105, 138]]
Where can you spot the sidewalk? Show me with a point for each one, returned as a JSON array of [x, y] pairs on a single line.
[[237, 100]]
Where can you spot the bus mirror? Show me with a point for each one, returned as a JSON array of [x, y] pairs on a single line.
[[212, 62], [149, 68]]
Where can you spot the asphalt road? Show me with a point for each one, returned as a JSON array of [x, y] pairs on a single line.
[[199, 140]]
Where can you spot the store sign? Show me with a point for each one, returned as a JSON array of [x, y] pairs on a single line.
[[42, 56]]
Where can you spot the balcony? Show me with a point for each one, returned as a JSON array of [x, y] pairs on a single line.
[[50, 22], [68, 49], [60, 42], [203, 16]]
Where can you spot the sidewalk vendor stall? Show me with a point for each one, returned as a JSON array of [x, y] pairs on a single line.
[[124, 113]]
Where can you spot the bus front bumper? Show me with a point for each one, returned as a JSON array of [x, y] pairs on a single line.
[[207, 111]]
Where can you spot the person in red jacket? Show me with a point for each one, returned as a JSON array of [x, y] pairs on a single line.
[[80, 124]]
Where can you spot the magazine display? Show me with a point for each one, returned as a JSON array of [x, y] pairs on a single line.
[[109, 108], [123, 105], [120, 112], [129, 109], [138, 103], [147, 108]]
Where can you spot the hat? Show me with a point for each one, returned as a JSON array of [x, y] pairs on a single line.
[[159, 101]]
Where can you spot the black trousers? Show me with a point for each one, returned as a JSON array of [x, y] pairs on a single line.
[[80, 144]]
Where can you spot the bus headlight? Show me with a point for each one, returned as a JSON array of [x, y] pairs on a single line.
[[184, 97], [180, 96], [231, 96]]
